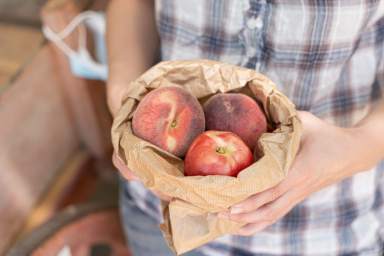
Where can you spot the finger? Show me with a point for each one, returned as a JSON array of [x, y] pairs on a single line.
[[260, 199], [119, 164], [162, 196], [270, 212], [251, 229], [296, 175]]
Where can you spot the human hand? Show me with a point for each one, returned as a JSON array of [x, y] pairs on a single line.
[[326, 156]]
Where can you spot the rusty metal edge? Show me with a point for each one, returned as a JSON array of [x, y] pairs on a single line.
[[46, 230]]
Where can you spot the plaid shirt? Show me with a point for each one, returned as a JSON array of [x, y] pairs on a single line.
[[327, 57]]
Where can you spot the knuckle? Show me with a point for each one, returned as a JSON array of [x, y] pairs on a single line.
[[276, 192], [239, 217], [247, 204], [269, 215], [247, 218]]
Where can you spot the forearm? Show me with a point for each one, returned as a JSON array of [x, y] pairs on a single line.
[[369, 134], [132, 43]]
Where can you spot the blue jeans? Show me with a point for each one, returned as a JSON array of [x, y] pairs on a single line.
[[142, 231]]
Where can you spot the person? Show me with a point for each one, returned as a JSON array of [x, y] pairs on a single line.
[[328, 58]]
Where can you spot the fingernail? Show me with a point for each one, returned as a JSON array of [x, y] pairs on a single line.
[[236, 210]]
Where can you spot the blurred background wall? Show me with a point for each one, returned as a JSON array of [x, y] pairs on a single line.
[[54, 128]]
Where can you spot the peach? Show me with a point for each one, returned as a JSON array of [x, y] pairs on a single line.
[[237, 113], [170, 118], [217, 153]]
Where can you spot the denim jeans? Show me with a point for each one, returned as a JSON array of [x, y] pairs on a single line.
[[143, 234]]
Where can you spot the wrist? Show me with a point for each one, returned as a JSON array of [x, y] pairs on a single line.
[[365, 147], [118, 82], [115, 93]]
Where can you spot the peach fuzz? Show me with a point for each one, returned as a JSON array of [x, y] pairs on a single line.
[[237, 113], [170, 118]]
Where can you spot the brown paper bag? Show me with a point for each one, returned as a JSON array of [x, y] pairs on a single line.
[[190, 218]]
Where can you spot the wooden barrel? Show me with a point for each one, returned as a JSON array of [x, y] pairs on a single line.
[[93, 229]]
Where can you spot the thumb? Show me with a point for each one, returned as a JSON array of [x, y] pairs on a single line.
[[119, 164]]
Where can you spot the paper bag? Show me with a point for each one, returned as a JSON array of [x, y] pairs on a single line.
[[190, 218]]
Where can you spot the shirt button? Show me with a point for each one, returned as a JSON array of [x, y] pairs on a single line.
[[255, 23]]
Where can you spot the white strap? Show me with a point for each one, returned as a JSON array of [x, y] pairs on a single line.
[[57, 37], [65, 251], [52, 36]]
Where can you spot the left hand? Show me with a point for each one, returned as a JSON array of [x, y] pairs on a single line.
[[325, 157]]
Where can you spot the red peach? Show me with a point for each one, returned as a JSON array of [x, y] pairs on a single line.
[[217, 153], [237, 113], [170, 118]]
